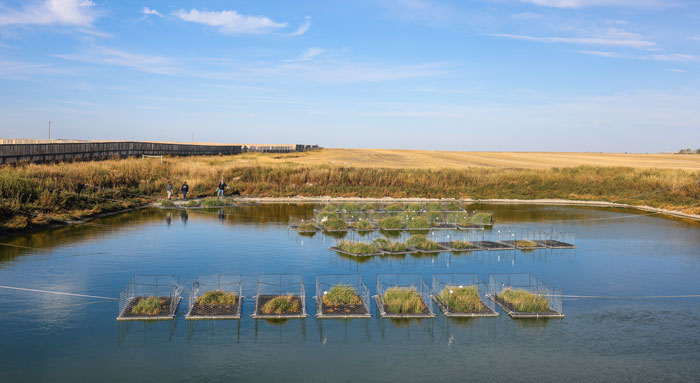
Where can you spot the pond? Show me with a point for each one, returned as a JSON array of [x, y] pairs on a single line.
[[620, 253]]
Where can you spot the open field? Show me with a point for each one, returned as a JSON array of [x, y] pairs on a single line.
[[37, 195], [431, 159]]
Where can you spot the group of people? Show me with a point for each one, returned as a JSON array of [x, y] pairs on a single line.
[[186, 188]]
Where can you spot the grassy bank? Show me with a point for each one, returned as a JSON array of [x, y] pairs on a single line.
[[36, 194]]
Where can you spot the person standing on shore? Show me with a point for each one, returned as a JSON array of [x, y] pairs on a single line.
[[169, 190], [220, 189], [185, 189]]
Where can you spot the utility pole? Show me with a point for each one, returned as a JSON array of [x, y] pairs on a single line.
[[49, 130]]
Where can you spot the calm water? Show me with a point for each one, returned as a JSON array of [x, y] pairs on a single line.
[[62, 338]]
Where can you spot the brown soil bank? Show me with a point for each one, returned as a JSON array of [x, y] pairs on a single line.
[[40, 194]]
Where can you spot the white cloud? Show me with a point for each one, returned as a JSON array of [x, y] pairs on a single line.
[[592, 3], [231, 22], [148, 11], [135, 61], [668, 57], [308, 54], [16, 70], [611, 37], [50, 12], [302, 28]]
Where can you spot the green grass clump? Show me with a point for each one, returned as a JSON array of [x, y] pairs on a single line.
[[217, 297], [403, 300], [394, 207], [463, 299], [433, 206], [341, 295], [391, 223], [330, 208], [357, 247], [306, 226], [367, 207], [282, 304], [482, 218], [350, 207], [524, 301], [525, 243], [192, 204], [213, 202], [362, 225], [421, 242], [453, 206], [167, 203], [335, 224], [417, 222], [149, 306], [462, 245], [394, 247], [414, 207]]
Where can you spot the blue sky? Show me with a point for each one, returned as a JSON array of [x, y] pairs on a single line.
[[524, 75]]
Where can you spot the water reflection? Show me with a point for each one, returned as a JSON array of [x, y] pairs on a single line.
[[280, 330], [214, 331], [344, 331], [145, 332]]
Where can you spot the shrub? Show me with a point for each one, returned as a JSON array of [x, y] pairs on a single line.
[[167, 203], [462, 245], [341, 295], [403, 300], [422, 242], [391, 223], [524, 301], [335, 224], [463, 299], [362, 225], [394, 247], [282, 304], [217, 297], [149, 306], [357, 247]]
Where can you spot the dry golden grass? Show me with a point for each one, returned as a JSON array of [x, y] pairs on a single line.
[[431, 159]]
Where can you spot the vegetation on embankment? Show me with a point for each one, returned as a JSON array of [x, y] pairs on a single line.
[[33, 195]]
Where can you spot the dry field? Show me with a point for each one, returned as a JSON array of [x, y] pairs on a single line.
[[429, 159]]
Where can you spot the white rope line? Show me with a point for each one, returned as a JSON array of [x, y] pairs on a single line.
[[56, 292]]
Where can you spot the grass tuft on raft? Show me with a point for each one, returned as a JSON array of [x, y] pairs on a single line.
[[149, 306], [421, 242], [525, 243], [462, 245], [357, 247], [391, 223], [393, 247], [417, 222], [330, 208], [217, 297], [362, 224], [335, 224], [394, 207], [283, 304], [463, 299], [306, 226], [524, 301], [482, 218], [350, 208], [340, 294], [403, 300]]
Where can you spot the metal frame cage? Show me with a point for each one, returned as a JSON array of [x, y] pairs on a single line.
[[530, 284], [295, 224], [444, 281], [163, 287], [387, 281], [270, 286], [209, 283], [323, 285]]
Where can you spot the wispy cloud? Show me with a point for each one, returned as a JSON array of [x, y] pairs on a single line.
[[676, 70], [150, 12], [231, 22], [593, 3], [79, 13], [307, 55], [17, 70], [612, 37], [135, 61], [667, 57], [302, 28]]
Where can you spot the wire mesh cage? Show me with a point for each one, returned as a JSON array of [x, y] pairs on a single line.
[[524, 296], [150, 297], [341, 296], [215, 297], [432, 242], [462, 241], [561, 240], [482, 217], [280, 296], [359, 244], [303, 225], [494, 241], [403, 296], [462, 295]]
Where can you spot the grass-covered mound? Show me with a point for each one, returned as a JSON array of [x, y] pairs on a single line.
[[463, 245], [391, 223], [414, 207], [525, 243], [523, 301], [421, 242], [350, 208], [192, 203], [217, 298], [463, 299], [390, 246], [335, 224], [330, 208], [306, 226], [342, 299], [149, 306], [357, 247], [403, 300], [362, 225], [283, 304]]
